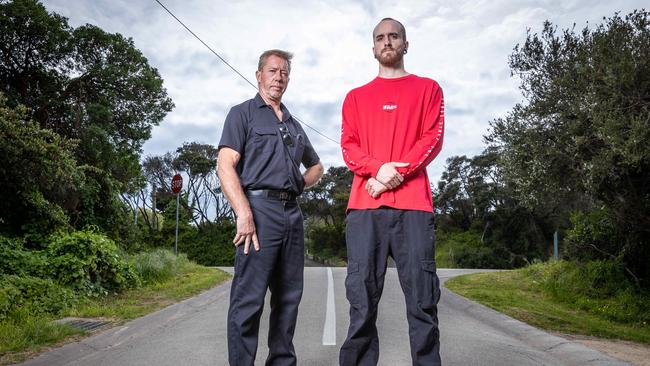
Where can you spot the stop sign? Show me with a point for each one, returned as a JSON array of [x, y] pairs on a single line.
[[177, 183]]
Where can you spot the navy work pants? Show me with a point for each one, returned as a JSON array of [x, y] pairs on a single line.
[[408, 236], [278, 266]]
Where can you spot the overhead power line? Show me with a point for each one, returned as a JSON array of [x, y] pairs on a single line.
[[234, 69]]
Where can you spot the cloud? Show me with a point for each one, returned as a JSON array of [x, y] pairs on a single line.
[[167, 139], [463, 44]]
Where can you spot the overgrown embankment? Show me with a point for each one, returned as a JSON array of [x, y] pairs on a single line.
[[594, 298], [84, 274]]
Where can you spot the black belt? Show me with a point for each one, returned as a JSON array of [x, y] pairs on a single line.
[[275, 194]]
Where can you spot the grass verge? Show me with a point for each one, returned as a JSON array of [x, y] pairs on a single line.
[[523, 295], [25, 334], [138, 302]]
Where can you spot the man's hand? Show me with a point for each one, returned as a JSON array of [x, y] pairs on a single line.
[[375, 188], [226, 170], [389, 176], [246, 233]]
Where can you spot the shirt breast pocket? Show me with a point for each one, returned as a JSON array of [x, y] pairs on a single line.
[[264, 139], [299, 149]]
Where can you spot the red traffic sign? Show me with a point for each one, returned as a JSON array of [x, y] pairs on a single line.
[[177, 183]]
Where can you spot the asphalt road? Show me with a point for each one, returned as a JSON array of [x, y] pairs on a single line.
[[193, 332]]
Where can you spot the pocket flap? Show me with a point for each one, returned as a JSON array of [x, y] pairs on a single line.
[[264, 130], [353, 267], [429, 265]]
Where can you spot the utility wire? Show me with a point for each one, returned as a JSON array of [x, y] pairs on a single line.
[[235, 70]]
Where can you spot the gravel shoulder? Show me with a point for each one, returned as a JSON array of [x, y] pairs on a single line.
[[635, 353]]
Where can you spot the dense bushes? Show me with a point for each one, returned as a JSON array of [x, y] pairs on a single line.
[[33, 294], [579, 141], [69, 276], [88, 262], [592, 236], [326, 241], [16, 260], [598, 286], [73, 266], [85, 261], [210, 244], [464, 249]]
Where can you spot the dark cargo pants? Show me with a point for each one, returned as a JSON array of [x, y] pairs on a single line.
[[408, 236], [278, 266]]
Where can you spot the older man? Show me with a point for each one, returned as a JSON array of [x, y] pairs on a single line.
[[260, 153], [392, 129]]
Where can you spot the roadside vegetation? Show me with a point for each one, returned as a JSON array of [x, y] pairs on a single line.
[[86, 222], [594, 299], [573, 159], [129, 287]]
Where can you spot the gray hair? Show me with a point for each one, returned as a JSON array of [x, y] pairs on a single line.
[[287, 56]]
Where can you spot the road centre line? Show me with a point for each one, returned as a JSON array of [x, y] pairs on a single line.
[[329, 329]]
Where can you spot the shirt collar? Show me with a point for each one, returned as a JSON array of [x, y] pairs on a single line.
[[259, 102]]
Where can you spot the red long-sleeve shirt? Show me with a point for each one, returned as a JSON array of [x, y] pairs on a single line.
[[398, 120]]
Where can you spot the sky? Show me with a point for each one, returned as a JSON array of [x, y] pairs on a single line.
[[464, 45]]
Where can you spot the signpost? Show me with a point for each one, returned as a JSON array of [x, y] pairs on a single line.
[[177, 185]]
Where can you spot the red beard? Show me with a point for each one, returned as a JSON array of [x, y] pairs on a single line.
[[389, 59]]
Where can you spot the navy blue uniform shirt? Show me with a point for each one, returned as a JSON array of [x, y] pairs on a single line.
[[253, 130]]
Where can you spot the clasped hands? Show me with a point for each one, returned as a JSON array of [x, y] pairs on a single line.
[[387, 178]]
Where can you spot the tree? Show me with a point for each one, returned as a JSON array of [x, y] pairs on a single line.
[[35, 50], [328, 199], [582, 140], [198, 162], [87, 85], [455, 196], [324, 206], [37, 174], [477, 210]]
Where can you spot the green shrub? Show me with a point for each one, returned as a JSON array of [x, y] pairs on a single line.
[[465, 250], [16, 260], [556, 278], [327, 241], [89, 262], [210, 245], [592, 236], [158, 265], [39, 295]]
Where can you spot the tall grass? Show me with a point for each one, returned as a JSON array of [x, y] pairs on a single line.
[[158, 265], [590, 298], [599, 287], [26, 329]]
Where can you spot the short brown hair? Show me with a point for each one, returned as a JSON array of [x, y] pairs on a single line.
[[401, 26], [287, 56]]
